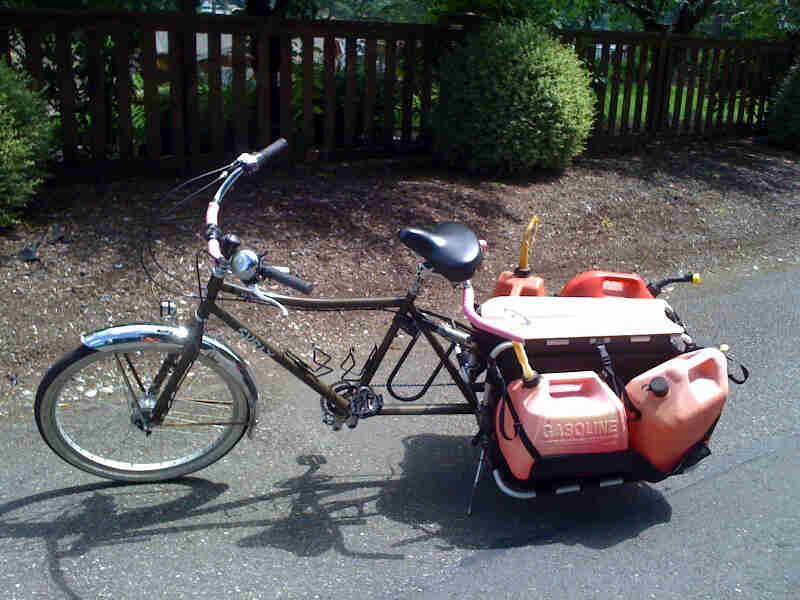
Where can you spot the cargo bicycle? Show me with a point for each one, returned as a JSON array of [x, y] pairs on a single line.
[[620, 392]]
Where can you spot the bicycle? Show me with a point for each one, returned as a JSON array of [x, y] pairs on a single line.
[[182, 359]]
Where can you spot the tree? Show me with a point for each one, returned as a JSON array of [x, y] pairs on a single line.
[[673, 16], [126, 5]]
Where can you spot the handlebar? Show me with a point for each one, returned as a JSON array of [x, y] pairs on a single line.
[[253, 162], [247, 164], [291, 281]]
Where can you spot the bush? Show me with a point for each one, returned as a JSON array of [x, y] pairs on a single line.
[[784, 122], [514, 99], [25, 136]]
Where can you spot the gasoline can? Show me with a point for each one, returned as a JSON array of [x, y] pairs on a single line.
[[679, 401]]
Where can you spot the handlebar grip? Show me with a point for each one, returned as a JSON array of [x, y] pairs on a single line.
[[263, 156], [296, 283]]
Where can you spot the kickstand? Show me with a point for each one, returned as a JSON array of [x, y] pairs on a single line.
[[478, 473]]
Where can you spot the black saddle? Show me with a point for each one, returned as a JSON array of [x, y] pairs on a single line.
[[450, 249]]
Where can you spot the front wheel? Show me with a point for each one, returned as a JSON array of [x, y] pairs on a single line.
[[89, 405]]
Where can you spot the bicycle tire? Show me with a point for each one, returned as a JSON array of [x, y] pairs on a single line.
[[71, 400]]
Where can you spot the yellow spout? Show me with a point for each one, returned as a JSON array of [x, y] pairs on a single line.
[[528, 238], [527, 372]]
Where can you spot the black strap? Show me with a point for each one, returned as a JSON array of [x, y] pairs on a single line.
[[607, 371], [519, 429]]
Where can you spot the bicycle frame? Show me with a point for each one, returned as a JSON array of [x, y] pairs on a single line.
[[407, 317]]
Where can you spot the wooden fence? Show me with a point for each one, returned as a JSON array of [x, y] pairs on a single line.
[[679, 85], [175, 91]]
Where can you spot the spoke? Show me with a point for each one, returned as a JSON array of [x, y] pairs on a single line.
[[125, 377], [135, 374], [211, 402], [203, 423]]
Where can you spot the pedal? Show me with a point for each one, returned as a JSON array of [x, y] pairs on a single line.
[[366, 403]]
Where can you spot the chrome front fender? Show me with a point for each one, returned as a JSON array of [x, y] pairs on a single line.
[[167, 337]]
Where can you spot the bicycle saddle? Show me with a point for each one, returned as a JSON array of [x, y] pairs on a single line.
[[450, 249]]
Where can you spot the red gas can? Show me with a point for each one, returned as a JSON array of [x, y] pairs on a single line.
[[566, 413], [597, 284], [511, 284], [679, 411]]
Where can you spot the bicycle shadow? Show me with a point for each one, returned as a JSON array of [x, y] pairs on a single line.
[[431, 496], [72, 529]]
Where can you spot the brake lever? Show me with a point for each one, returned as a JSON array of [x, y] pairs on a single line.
[[254, 290], [264, 297]]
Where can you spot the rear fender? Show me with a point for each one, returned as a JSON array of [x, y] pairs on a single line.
[[166, 337]]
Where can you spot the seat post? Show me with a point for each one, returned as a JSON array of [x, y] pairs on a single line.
[[422, 271]]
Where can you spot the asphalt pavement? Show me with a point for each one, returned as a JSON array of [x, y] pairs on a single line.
[[379, 512]]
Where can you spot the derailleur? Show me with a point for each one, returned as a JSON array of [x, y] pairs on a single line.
[[364, 403]]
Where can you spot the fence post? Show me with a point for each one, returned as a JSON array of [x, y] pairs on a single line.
[[660, 89]]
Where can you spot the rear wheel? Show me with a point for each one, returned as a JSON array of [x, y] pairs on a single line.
[[89, 410]]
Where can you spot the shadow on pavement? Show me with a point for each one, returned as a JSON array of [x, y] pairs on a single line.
[[429, 495]]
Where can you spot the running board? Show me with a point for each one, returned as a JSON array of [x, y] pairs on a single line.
[[527, 494]]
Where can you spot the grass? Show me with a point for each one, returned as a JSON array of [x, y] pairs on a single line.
[[676, 104]]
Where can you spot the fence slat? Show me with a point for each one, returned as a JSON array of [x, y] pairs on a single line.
[[97, 96], [741, 85], [601, 79], [752, 87], [713, 90], [616, 67], [690, 86], [733, 82], [699, 123], [409, 83], [307, 59], [190, 81], [66, 93], [681, 55], [216, 117], [241, 112], [630, 63], [724, 86], [426, 91], [350, 92], [658, 95], [330, 94], [388, 92], [263, 88], [370, 66], [641, 85], [151, 95], [177, 115], [766, 63], [32, 39], [122, 64], [287, 119]]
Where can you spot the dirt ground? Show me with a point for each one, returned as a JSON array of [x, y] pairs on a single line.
[[660, 211]]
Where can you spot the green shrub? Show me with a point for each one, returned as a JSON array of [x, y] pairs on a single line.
[[514, 98], [26, 132], [784, 122]]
